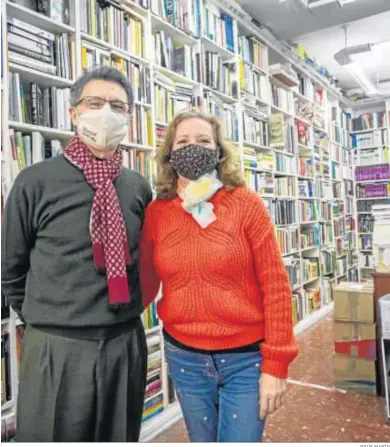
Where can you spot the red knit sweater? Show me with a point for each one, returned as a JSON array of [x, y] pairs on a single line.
[[224, 286]]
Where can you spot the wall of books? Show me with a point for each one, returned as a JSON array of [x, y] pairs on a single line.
[[370, 133], [290, 131]]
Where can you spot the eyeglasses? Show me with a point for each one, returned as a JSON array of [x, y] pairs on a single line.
[[96, 103]]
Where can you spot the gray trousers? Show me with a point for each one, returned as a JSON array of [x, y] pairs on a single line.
[[81, 390]]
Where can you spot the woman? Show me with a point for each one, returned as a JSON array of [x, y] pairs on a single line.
[[226, 305]]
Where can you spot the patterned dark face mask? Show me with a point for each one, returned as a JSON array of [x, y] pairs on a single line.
[[193, 161]]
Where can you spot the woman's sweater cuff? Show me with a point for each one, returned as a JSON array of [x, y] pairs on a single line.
[[275, 368]]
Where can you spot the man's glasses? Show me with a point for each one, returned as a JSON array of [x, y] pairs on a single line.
[[96, 103]]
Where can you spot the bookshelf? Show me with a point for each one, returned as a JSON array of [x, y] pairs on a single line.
[[370, 135], [278, 116]]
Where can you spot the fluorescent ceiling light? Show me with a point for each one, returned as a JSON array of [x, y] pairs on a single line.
[[345, 2], [361, 78]]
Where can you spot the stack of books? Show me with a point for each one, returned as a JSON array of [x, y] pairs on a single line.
[[40, 50]]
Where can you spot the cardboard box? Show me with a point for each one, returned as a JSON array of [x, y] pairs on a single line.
[[354, 302], [355, 339], [354, 374]]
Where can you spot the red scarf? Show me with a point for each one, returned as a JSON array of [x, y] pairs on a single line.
[[107, 228]]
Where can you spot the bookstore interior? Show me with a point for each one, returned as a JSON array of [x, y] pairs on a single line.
[[302, 90]]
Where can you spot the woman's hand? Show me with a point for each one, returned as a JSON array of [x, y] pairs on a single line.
[[272, 391]]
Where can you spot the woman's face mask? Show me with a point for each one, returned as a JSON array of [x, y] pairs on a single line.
[[193, 161], [102, 128]]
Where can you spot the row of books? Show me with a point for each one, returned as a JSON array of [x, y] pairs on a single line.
[[373, 190], [311, 269], [372, 156], [8, 427], [305, 189], [288, 240], [326, 211], [281, 99], [149, 317], [154, 400], [285, 163], [255, 127], [252, 82], [263, 183], [41, 50], [310, 236], [374, 138], [308, 211], [365, 242], [283, 136], [306, 167], [218, 27], [6, 376], [258, 161], [339, 227], [297, 308], [312, 299], [138, 75], [285, 186], [5, 308], [368, 121], [219, 75], [183, 60], [141, 162], [141, 126], [369, 173], [365, 224], [366, 260], [293, 268], [225, 113], [326, 233], [29, 103], [327, 262], [253, 52], [27, 149]]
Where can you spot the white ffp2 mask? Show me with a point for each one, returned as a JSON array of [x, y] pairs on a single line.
[[102, 129]]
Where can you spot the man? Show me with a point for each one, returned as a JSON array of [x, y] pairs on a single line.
[[70, 237]]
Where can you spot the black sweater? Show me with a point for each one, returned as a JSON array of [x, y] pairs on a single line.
[[48, 273]]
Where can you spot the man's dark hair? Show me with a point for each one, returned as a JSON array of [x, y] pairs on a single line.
[[103, 73]]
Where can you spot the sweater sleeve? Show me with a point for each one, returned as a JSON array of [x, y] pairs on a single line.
[[279, 347], [17, 240], [150, 281]]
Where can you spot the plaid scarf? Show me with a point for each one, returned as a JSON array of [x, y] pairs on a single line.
[[107, 228]]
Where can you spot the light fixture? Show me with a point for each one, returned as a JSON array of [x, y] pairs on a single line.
[[345, 2], [361, 78]]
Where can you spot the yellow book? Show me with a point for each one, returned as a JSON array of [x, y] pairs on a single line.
[[242, 79], [84, 58], [93, 18], [150, 128]]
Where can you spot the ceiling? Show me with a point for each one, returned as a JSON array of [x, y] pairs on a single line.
[[376, 64], [290, 18], [320, 33]]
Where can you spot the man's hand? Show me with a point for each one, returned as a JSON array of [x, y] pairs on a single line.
[[272, 391]]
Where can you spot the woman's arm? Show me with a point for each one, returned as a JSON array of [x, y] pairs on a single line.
[[279, 347], [150, 282]]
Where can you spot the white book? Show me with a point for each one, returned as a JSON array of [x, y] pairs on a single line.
[[38, 147]]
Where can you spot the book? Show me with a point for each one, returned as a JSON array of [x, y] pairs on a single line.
[[31, 104]]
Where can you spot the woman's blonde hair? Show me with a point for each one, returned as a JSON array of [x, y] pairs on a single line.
[[229, 171]]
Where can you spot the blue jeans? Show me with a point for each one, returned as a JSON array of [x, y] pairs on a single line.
[[218, 394]]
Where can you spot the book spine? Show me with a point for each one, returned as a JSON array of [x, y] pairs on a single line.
[[31, 54], [31, 63], [27, 44]]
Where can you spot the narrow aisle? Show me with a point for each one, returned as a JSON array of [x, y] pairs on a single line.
[[311, 414]]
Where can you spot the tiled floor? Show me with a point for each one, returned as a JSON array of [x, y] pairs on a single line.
[[312, 414]]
